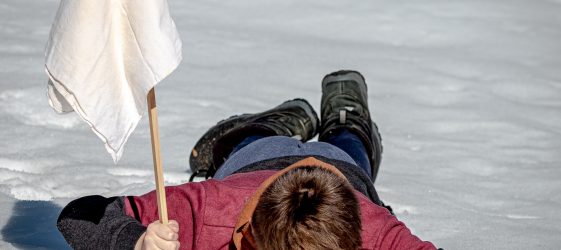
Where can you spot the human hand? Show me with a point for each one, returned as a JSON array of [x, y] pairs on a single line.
[[159, 236]]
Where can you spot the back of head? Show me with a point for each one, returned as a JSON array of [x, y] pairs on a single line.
[[307, 208]]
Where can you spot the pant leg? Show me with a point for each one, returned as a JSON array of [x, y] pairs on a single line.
[[248, 140], [352, 145], [273, 147]]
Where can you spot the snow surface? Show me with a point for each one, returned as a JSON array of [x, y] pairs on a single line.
[[467, 95]]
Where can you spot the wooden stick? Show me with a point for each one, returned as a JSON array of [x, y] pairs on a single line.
[[158, 171]]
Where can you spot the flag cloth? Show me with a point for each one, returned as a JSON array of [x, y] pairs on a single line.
[[102, 58]]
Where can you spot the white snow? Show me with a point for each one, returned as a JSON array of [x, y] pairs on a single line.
[[467, 95]]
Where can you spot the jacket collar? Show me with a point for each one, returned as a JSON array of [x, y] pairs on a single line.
[[242, 237]]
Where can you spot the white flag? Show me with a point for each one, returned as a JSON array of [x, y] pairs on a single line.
[[102, 58]]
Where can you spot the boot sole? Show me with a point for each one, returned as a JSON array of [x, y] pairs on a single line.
[[350, 75], [347, 76]]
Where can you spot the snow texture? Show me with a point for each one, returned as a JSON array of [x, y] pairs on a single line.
[[467, 95]]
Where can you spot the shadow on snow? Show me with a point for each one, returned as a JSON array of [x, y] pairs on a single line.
[[33, 226]]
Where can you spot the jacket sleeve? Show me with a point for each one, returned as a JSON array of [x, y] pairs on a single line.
[[96, 222], [185, 204]]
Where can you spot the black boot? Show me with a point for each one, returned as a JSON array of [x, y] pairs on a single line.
[[295, 118], [344, 104]]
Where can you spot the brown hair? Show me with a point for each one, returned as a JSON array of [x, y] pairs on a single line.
[[307, 208]]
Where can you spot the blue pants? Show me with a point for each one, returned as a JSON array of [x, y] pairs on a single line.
[[343, 145]]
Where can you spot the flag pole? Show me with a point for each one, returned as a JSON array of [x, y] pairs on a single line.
[[158, 171]]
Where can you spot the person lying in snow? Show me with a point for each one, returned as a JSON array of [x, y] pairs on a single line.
[[270, 189]]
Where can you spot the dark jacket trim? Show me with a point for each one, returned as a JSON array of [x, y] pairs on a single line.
[[134, 207]]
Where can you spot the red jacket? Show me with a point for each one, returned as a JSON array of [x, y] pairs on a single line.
[[207, 213]]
